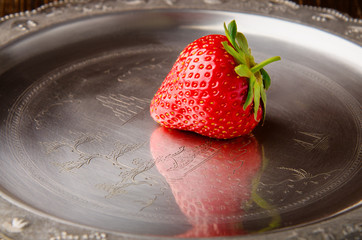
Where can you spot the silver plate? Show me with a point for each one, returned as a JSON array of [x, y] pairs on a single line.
[[80, 156]]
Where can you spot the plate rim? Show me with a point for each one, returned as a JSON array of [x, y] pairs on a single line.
[[19, 24]]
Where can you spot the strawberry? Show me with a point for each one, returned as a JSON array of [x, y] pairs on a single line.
[[210, 179], [214, 88]]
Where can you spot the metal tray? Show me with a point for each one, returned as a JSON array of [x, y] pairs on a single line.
[[80, 157]]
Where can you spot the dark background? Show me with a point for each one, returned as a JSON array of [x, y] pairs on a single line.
[[350, 7]]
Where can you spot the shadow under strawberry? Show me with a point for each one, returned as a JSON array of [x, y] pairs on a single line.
[[211, 180]]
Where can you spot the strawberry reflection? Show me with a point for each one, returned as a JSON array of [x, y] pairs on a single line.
[[212, 180]]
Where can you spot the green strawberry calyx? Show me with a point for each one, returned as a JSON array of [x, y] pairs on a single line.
[[259, 80]]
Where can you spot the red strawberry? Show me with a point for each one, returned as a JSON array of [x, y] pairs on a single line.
[[210, 179], [214, 88]]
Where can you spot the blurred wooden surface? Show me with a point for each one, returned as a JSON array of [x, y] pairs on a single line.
[[350, 7]]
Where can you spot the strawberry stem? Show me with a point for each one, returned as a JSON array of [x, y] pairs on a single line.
[[264, 63], [259, 80]]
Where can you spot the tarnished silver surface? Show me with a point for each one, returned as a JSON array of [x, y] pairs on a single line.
[[80, 158]]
